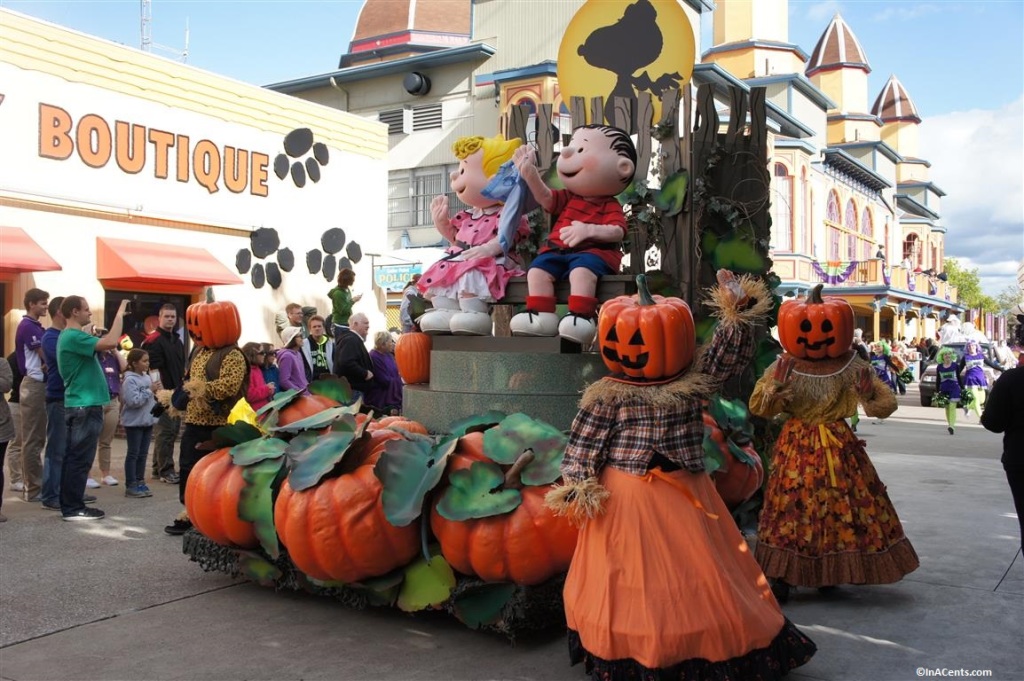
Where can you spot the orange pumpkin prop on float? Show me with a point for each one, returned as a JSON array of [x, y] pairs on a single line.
[[526, 546], [646, 338], [737, 480], [305, 406], [817, 328], [412, 354], [337, 530], [402, 422], [211, 500], [213, 324]]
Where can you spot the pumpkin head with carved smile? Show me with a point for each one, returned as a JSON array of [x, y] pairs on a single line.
[[213, 324], [816, 328]]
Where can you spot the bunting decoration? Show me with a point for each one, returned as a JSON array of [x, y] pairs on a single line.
[[834, 273]]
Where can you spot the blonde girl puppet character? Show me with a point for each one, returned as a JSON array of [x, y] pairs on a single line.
[[662, 584], [827, 519], [596, 165], [475, 271]]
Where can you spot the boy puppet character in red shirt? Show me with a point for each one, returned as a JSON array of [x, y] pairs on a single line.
[[597, 164]]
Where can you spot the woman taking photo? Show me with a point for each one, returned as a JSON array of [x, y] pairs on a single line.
[[342, 300]]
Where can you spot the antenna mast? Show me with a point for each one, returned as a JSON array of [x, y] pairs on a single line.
[[146, 29]]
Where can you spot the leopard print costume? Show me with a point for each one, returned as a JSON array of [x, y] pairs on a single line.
[[232, 373]]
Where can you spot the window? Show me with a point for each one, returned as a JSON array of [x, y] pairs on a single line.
[[805, 214], [426, 117], [911, 250], [850, 223], [867, 231], [399, 214], [393, 119], [782, 214], [411, 191], [832, 227]]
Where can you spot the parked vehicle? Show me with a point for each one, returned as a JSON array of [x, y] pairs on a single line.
[[928, 377]]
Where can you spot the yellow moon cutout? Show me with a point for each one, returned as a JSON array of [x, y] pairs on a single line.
[[622, 47]]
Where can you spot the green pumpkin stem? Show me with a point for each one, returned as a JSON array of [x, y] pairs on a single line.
[[514, 475], [814, 297], [209, 294], [643, 293]]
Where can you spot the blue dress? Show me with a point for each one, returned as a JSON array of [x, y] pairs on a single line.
[[974, 372], [949, 383], [880, 363]]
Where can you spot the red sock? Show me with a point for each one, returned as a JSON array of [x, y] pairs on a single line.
[[584, 306], [536, 304]]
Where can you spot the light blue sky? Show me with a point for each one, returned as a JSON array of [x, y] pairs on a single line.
[[961, 61]]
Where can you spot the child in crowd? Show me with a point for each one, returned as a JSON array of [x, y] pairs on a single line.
[[138, 398], [271, 374], [259, 392]]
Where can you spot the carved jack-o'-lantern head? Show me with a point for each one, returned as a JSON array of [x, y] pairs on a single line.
[[213, 324], [816, 328], [646, 338]]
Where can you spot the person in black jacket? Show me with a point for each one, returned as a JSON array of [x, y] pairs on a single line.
[[166, 355], [351, 358], [1003, 415], [14, 448]]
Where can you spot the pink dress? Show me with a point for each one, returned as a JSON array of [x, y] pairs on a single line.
[[484, 278]]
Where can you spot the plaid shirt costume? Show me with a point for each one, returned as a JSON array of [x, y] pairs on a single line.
[[627, 434]]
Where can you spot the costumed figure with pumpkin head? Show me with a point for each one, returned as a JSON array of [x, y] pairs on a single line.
[[596, 165], [215, 380], [827, 519], [477, 267], [662, 584]]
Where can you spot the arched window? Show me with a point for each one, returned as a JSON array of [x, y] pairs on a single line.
[[782, 213], [912, 251], [867, 231], [805, 214], [832, 229], [850, 223]]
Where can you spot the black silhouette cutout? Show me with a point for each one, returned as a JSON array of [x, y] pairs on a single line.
[[264, 241], [333, 240], [286, 259], [314, 259], [243, 260], [273, 275], [354, 252], [297, 143], [329, 267], [344, 264], [257, 276], [625, 47]]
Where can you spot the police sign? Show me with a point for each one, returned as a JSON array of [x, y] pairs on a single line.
[[395, 277]]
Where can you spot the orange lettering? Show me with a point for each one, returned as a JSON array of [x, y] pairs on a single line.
[[259, 173], [162, 141], [131, 148], [89, 126], [54, 126], [182, 158], [236, 169], [206, 165]]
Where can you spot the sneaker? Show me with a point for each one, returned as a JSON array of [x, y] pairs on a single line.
[[145, 488], [85, 514], [178, 527], [170, 478], [950, 429], [135, 491], [51, 507], [34, 500], [91, 484], [17, 487], [88, 499], [109, 481]]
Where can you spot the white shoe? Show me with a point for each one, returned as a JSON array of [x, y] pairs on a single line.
[[473, 319], [437, 320], [18, 487], [534, 324], [91, 484], [577, 329], [110, 481]]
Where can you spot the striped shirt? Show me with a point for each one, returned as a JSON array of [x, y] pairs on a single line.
[[603, 210]]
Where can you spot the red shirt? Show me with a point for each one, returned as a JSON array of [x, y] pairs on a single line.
[[570, 207]]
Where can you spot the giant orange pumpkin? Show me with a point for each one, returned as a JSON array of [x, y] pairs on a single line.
[[646, 338], [402, 422], [304, 406], [337, 530], [213, 324], [816, 328], [412, 354], [737, 480], [211, 501], [526, 546]]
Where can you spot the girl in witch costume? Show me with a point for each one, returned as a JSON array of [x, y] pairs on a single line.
[[827, 519], [661, 584], [948, 395]]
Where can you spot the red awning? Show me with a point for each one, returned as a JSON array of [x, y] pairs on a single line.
[[20, 253], [139, 262]]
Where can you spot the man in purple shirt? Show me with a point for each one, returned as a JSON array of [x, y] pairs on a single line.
[[28, 347]]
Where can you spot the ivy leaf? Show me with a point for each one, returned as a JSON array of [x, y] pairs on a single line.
[[671, 196], [713, 459], [235, 434], [731, 415], [518, 433], [483, 604], [734, 253], [408, 470], [318, 459], [551, 178], [476, 423], [255, 451], [474, 493], [256, 502], [426, 585], [317, 421], [258, 569], [741, 454], [336, 388], [629, 195]]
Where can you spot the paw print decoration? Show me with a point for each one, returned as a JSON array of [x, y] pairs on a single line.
[[265, 242], [297, 144]]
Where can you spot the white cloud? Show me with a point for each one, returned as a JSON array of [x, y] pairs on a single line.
[[817, 11], [977, 157], [906, 11]]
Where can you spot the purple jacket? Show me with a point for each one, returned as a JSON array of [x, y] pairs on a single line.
[[293, 370], [385, 391]]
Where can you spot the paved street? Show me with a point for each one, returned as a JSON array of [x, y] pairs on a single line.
[[118, 600]]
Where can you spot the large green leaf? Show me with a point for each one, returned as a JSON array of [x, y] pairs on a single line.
[[426, 585], [408, 470], [318, 459], [280, 401], [482, 604], [518, 433], [255, 451], [476, 423], [713, 459], [474, 493], [258, 569], [731, 415], [742, 455], [235, 434], [671, 196], [317, 421], [256, 502], [734, 253], [336, 388], [381, 590]]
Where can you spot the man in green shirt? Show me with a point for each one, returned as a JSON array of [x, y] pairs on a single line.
[[85, 394]]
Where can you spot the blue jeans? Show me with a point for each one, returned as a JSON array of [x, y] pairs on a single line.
[[83, 433], [135, 460], [53, 459]]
